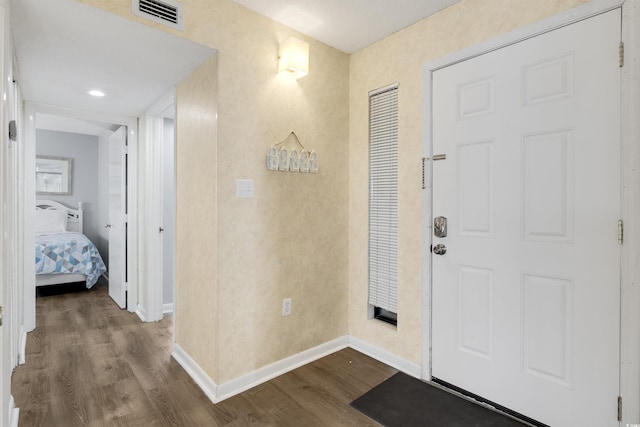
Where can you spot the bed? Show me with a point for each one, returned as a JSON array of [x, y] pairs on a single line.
[[63, 253]]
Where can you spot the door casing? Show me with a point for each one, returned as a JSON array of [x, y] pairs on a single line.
[[9, 218], [630, 270]]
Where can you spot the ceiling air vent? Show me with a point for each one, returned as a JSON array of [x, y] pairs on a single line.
[[167, 12]]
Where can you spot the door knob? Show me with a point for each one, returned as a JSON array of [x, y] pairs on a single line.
[[439, 249], [107, 226]]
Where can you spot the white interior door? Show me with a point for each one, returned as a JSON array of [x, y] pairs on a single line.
[[168, 213], [526, 299], [155, 226], [117, 216], [160, 209]]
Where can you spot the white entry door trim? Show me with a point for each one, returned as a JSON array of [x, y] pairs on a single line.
[[630, 292]]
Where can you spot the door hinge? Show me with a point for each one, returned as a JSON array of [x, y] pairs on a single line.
[[619, 408], [424, 161], [620, 231], [621, 54]]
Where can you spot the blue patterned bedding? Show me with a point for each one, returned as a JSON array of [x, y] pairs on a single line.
[[69, 252]]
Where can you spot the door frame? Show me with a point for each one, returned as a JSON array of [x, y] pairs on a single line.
[[31, 109], [630, 134], [151, 302], [10, 242]]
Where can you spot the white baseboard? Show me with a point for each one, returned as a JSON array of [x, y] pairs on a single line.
[[217, 393], [195, 372], [409, 368], [264, 374], [22, 353], [14, 413], [142, 313], [167, 308]]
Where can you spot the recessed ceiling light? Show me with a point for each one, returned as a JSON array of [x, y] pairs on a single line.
[[96, 92]]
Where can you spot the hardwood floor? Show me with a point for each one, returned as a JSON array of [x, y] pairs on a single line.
[[92, 364]]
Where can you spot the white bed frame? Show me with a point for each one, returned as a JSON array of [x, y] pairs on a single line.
[[75, 223]]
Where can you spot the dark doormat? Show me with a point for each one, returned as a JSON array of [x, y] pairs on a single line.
[[404, 401]]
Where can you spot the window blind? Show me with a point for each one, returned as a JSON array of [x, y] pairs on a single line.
[[383, 198]]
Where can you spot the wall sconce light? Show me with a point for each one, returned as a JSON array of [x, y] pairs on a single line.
[[294, 57]]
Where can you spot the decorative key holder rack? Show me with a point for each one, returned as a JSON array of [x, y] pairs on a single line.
[[289, 155]]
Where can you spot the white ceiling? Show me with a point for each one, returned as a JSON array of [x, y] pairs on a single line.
[[64, 48], [347, 25]]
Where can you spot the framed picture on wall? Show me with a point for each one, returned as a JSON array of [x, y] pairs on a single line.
[[53, 175]]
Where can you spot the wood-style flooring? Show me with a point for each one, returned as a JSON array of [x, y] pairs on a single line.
[[88, 363]]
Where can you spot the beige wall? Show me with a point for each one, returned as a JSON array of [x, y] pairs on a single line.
[[400, 58], [196, 200], [302, 236], [238, 258]]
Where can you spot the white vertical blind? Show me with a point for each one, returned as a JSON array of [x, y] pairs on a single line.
[[383, 198]]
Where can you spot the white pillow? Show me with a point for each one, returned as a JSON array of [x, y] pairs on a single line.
[[50, 221]]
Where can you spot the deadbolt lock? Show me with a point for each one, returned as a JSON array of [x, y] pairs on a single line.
[[440, 226]]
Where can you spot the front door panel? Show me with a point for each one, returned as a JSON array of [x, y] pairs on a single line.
[[526, 298]]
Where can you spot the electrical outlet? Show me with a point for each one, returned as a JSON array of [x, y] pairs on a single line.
[[286, 306]]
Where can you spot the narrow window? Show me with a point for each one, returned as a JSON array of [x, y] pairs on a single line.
[[383, 203]]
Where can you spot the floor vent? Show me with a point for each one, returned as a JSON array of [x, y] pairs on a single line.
[[167, 12]]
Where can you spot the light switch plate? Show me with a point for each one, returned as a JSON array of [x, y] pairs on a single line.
[[286, 307], [244, 188]]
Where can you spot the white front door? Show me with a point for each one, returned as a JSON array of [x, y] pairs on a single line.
[[526, 299], [117, 222]]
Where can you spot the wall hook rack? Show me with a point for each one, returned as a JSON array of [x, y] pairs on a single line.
[[289, 155], [292, 137]]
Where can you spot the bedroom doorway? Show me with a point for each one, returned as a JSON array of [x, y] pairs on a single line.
[[115, 155]]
